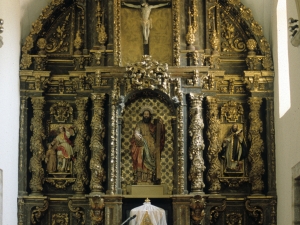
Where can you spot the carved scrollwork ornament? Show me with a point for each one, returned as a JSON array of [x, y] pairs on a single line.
[[255, 212], [38, 212], [78, 213], [78, 43], [215, 212], [197, 205]]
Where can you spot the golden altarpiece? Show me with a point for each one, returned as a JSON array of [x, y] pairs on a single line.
[[93, 71]]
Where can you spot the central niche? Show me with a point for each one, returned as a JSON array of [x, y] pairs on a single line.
[[131, 116]]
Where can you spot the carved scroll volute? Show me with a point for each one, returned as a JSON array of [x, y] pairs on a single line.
[[257, 146], [197, 205], [216, 211], [214, 147], [197, 144], [78, 212], [80, 148], [97, 147], [38, 212], [97, 210], [255, 212], [36, 146]]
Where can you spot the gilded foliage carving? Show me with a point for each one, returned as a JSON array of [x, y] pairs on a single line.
[[214, 147], [80, 148], [197, 144], [197, 205], [232, 40], [117, 33], [232, 111], [61, 111], [257, 146], [97, 147], [60, 219], [97, 212], [147, 74], [36, 145]]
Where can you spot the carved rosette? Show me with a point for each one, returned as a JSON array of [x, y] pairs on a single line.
[[234, 218], [197, 144], [97, 147], [147, 74], [97, 210], [214, 147], [197, 206], [80, 148], [257, 146], [60, 218], [36, 146]]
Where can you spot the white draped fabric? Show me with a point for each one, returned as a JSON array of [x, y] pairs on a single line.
[[148, 214]]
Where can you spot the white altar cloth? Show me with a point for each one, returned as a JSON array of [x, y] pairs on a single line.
[[148, 214]]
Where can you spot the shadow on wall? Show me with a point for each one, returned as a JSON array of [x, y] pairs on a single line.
[[30, 11]]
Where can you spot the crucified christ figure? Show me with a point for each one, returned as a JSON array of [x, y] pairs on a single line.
[[145, 11]]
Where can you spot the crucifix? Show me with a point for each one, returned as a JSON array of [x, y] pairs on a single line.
[[146, 21]]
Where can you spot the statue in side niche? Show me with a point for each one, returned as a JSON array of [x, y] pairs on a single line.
[[234, 150]]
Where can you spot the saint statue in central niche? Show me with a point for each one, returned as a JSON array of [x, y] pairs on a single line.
[[147, 142]]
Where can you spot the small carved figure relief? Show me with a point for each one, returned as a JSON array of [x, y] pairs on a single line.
[[146, 145], [145, 11], [62, 146], [234, 150], [50, 159]]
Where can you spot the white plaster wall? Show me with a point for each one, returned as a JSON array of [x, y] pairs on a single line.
[[9, 108], [287, 127]]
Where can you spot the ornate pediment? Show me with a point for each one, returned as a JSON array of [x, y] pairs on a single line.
[[147, 74]]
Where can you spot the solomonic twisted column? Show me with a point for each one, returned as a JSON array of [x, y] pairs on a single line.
[[80, 148], [36, 146], [214, 147], [97, 148], [197, 144], [257, 146]]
